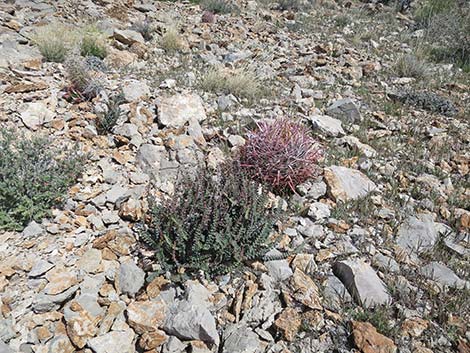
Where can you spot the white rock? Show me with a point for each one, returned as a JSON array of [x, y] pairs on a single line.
[[35, 114], [112, 342], [327, 125], [347, 184], [177, 110]]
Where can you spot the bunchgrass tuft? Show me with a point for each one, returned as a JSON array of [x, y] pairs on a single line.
[[54, 41]]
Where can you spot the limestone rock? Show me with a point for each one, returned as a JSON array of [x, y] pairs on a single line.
[[114, 341], [362, 282], [347, 184], [135, 90], [327, 125], [177, 110], [288, 323], [36, 114], [344, 109], [128, 36], [131, 278], [278, 269], [146, 316], [417, 233], [305, 290], [60, 280], [240, 339]]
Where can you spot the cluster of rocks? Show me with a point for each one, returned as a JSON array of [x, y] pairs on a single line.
[[74, 282]]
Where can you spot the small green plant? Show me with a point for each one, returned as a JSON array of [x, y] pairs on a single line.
[[107, 120], [33, 178], [54, 41], [378, 317], [93, 46], [171, 40], [241, 82], [218, 6], [410, 66], [214, 222], [431, 8], [83, 85]]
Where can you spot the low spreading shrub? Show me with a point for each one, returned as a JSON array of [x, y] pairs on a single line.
[[171, 40], [214, 222], [408, 65], [218, 6], [282, 154], [33, 178], [93, 44]]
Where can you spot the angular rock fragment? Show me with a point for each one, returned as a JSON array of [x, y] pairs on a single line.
[[347, 184], [362, 282]]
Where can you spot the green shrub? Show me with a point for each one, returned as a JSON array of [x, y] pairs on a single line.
[[214, 222], [93, 46], [33, 178], [106, 121], [218, 6], [431, 8], [54, 41]]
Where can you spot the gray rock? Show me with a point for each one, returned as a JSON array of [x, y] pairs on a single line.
[[35, 114], [127, 130], [344, 109], [90, 260], [40, 268], [131, 278], [128, 36], [385, 263], [347, 184], [335, 293], [5, 348], [239, 338], [88, 302], [149, 158], [43, 303], [319, 211], [354, 143], [135, 90], [327, 125], [278, 269], [417, 233], [7, 330], [117, 195], [92, 284], [312, 190], [173, 345], [191, 321], [177, 110], [114, 341], [443, 275], [362, 282], [32, 230]]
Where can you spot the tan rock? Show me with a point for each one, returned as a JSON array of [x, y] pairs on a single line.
[[288, 323], [131, 210], [368, 340], [152, 340], [82, 327], [154, 287], [146, 316], [314, 319], [305, 290], [43, 334], [26, 87], [414, 327], [60, 280], [120, 58], [347, 184]]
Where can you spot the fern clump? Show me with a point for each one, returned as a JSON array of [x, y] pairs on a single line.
[[33, 178], [214, 222]]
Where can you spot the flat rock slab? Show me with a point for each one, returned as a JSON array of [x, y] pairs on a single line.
[[368, 340], [131, 278], [344, 109], [346, 184], [240, 339], [327, 125], [362, 282], [112, 342], [417, 233], [177, 110], [443, 275]]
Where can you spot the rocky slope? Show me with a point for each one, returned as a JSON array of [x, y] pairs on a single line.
[[383, 233]]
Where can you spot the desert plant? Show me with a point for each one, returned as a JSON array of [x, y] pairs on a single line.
[[241, 82], [431, 8], [214, 222], [218, 6], [281, 153], [107, 120], [145, 28], [171, 40], [93, 46], [408, 65], [83, 85], [54, 41], [33, 178]]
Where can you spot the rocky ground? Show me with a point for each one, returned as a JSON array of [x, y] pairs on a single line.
[[383, 233]]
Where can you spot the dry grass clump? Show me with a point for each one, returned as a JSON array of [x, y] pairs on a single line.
[[93, 43], [54, 41], [171, 40], [241, 82], [408, 65]]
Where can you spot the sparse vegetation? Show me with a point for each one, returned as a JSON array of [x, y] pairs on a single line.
[[83, 85], [54, 41], [145, 28], [34, 177], [408, 65], [171, 40], [213, 222], [93, 43], [241, 82], [106, 121], [218, 6]]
